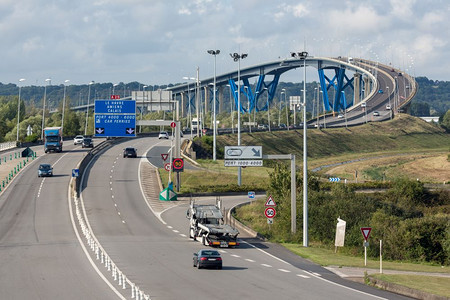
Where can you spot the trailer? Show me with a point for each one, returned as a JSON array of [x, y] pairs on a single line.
[[206, 224]]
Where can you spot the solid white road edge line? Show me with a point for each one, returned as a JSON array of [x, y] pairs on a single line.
[[86, 252]]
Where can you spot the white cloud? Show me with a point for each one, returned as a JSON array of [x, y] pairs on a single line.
[[140, 40]]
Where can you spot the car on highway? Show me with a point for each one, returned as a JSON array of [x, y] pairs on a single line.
[[340, 116], [163, 135], [45, 170], [363, 104], [129, 152], [78, 139], [376, 114], [87, 143], [388, 107], [262, 126], [380, 91], [206, 258]]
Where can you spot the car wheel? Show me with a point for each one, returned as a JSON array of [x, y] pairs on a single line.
[[219, 268], [198, 266]]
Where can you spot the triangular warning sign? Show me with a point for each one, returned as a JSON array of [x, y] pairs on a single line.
[[366, 232], [164, 156], [270, 202]]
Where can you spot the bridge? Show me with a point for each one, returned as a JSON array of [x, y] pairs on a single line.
[[352, 87], [369, 79]]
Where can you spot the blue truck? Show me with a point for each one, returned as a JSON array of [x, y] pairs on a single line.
[[53, 140]]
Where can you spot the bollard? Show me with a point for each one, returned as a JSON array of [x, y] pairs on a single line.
[[10, 157], [15, 155], [124, 280], [132, 291], [102, 261], [120, 278], [137, 294], [15, 172]]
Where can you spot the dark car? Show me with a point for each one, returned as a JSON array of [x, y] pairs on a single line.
[[45, 170], [129, 152], [87, 143], [207, 258]]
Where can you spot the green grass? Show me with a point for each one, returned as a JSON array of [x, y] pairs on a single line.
[[215, 177], [327, 257], [430, 284]]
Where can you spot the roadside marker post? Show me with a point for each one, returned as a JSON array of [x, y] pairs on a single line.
[[365, 232]]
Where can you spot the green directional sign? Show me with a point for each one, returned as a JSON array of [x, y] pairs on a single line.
[[168, 195]]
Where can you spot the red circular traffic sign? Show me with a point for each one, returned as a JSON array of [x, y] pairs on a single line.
[[178, 164], [167, 166], [270, 212], [173, 124]]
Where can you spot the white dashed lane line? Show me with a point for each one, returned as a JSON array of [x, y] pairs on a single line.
[[251, 260], [285, 271]]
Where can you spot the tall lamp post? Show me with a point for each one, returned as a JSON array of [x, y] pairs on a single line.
[[237, 58], [18, 109], [303, 55], [279, 111], [48, 81], [87, 108], [64, 105], [142, 107], [215, 53], [114, 86], [390, 108]]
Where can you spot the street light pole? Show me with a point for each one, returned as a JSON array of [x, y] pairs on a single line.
[[303, 55], [142, 107], [390, 108], [43, 110], [215, 53], [237, 58], [18, 110], [64, 106], [87, 107]]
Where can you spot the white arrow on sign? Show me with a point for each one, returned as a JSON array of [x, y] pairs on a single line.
[[243, 152], [130, 130], [99, 130]]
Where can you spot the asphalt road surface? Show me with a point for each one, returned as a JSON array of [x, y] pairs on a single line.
[[157, 254]]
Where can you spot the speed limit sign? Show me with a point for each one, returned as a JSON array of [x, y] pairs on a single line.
[[270, 212]]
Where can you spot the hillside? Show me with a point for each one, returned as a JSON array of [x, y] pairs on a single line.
[[404, 133]]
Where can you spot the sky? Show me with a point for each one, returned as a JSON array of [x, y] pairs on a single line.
[[159, 42]]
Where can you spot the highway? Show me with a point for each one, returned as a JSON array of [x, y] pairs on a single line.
[[156, 253], [40, 256]]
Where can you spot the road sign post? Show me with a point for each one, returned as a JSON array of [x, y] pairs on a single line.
[[365, 232]]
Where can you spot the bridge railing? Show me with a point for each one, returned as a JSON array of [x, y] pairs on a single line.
[[7, 146]]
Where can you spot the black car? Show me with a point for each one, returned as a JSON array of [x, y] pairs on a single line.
[[87, 143], [129, 152], [45, 170], [207, 258]]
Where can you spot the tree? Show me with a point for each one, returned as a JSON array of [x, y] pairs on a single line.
[[446, 121]]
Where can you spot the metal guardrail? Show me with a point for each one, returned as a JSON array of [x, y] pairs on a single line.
[[7, 146]]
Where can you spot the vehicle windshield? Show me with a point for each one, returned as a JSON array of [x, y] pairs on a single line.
[[52, 139], [44, 167], [88, 140]]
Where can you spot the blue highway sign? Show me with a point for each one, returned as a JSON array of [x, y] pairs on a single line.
[[115, 118]]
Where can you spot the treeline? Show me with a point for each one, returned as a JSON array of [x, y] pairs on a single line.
[[432, 98], [412, 222]]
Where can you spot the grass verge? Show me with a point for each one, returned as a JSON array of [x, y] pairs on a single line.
[[430, 284]]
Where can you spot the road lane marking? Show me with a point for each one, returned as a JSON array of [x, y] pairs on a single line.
[[285, 271], [250, 260], [302, 276], [266, 265], [235, 255]]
